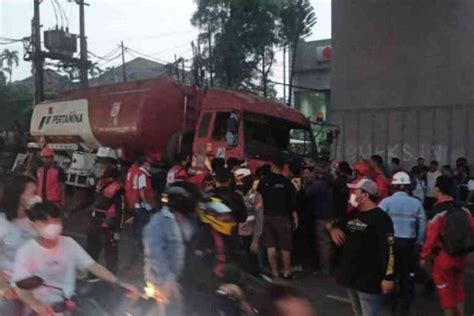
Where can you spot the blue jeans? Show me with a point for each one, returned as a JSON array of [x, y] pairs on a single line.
[[365, 304]]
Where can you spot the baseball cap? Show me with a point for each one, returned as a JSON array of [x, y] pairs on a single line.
[[401, 178], [366, 185], [362, 168]]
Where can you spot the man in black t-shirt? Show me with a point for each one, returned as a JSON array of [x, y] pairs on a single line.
[[366, 238], [278, 196]]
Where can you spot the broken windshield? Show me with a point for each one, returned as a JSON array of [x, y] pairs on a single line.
[[266, 135]]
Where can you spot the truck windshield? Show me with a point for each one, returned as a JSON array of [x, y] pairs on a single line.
[[266, 135]]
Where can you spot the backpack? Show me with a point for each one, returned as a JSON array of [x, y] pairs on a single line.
[[457, 235]]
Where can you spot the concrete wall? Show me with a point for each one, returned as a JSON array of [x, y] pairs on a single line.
[[309, 72], [403, 78], [438, 133]]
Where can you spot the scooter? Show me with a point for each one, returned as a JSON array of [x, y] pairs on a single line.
[[93, 297], [67, 306]]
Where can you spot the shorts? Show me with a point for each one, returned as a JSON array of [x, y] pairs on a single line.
[[277, 233], [448, 275]]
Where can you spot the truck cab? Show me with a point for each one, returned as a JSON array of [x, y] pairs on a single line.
[[248, 127]]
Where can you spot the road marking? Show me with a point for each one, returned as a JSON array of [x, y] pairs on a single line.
[[339, 298]]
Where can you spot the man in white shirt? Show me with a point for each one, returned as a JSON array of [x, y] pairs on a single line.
[[431, 176], [145, 201], [55, 259]]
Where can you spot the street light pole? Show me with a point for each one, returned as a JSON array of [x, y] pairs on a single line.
[[83, 67], [38, 59]]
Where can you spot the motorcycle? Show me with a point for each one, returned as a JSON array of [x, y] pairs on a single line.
[[93, 297], [67, 306]]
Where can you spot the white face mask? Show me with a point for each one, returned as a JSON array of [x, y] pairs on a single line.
[[32, 201], [51, 231], [353, 200]]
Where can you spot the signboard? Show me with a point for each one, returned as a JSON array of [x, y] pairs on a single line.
[[324, 53], [63, 118]]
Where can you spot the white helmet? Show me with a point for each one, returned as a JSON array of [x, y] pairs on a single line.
[[242, 173], [107, 153], [401, 178]]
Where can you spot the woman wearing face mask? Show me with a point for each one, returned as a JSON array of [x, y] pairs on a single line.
[[55, 259], [15, 229]]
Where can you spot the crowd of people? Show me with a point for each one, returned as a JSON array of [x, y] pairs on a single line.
[[201, 233]]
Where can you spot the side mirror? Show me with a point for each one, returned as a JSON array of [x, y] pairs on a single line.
[[30, 283]]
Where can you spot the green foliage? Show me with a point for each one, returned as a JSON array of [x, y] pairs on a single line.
[[15, 105], [297, 20], [10, 57], [244, 35]]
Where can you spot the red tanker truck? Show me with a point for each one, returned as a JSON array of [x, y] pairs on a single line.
[[162, 118]]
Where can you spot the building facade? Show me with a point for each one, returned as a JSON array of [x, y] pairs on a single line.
[[312, 78], [402, 78]]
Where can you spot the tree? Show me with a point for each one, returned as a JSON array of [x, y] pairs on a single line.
[[3, 79], [242, 32], [11, 59], [239, 38], [297, 19], [15, 101]]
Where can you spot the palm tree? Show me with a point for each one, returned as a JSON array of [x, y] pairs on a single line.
[[3, 79], [11, 58]]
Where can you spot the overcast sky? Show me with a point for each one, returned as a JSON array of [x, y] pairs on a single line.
[[158, 28]]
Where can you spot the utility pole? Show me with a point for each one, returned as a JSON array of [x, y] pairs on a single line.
[[183, 73], [264, 76], [194, 66], [176, 68], [62, 50], [124, 71], [38, 59], [210, 56], [284, 73], [84, 65]]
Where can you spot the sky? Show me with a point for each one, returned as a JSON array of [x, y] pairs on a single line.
[[159, 29]]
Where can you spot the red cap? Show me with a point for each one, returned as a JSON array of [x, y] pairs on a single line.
[[47, 152], [362, 168]]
